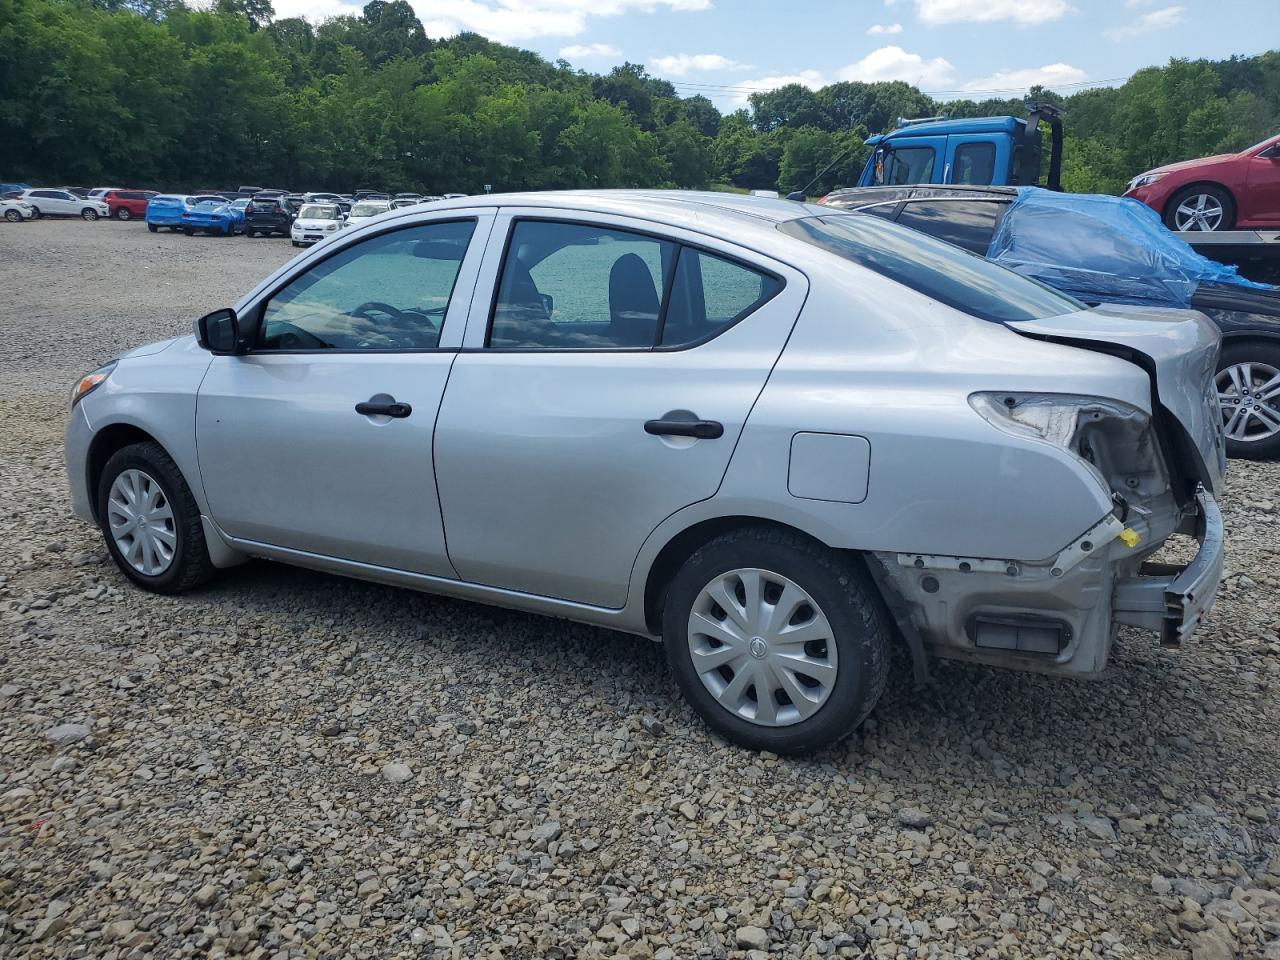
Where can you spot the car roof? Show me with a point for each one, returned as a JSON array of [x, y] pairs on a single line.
[[954, 191], [933, 128]]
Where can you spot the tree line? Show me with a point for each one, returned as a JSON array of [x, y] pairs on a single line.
[[157, 93]]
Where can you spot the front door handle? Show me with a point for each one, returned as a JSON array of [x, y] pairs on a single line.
[[381, 404], [699, 429]]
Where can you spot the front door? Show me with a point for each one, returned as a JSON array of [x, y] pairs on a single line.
[[602, 389], [1261, 204], [319, 439]]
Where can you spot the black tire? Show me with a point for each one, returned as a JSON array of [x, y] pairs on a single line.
[[1220, 194], [250, 234], [845, 594], [188, 231], [124, 214], [153, 228], [88, 213], [190, 565], [1261, 353], [13, 216], [296, 243], [35, 212]]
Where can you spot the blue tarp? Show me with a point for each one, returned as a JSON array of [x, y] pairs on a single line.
[[1100, 248]]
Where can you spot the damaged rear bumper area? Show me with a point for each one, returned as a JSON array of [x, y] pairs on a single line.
[[1061, 615], [1172, 599]]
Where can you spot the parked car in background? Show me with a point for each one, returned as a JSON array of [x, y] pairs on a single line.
[[1226, 192], [166, 210], [217, 216], [98, 193], [267, 213], [127, 204], [362, 210], [314, 222], [671, 419], [51, 202], [1088, 247], [10, 190], [400, 202], [81, 192], [452, 196], [15, 211]]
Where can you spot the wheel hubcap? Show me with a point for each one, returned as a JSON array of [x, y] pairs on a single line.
[[1249, 394], [141, 523], [762, 647], [1201, 212]]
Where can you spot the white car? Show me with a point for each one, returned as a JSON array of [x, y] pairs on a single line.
[[15, 211], [315, 222], [48, 202], [365, 209]]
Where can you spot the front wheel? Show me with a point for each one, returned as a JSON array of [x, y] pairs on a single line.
[[150, 520], [153, 228], [188, 231], [123, 214], [1248, 382], [88, 213], [250, 234], [13, 216], [1201, 207], [779, 643]]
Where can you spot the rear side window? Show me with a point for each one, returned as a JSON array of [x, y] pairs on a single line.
[[966, 223], [974, 163], [936, 269], [569, 286]]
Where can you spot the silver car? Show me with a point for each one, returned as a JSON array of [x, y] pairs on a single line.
[[778, 437]]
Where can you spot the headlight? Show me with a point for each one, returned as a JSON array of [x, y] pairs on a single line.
[[1144, 180], [1054, 417], [90, 382]]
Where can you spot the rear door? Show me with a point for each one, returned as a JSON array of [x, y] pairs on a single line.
[[607, 373]]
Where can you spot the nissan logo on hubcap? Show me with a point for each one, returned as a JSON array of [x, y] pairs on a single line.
[[759, 648]]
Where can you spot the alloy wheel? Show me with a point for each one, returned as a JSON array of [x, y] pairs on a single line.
[[13, 216], [1201, 211], [762, 647], [142, 522], [89, 214], [122, 214], [1249, 394]]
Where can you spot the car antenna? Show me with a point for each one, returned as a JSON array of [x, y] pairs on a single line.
[[803, 191]]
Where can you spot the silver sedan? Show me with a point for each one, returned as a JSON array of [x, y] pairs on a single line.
[[777, 437]]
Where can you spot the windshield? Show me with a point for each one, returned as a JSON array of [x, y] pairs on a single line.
[[936, 269], [368, 209], [318, 211]]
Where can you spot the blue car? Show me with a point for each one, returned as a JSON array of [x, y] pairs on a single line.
[[213, 215], [166, 210]]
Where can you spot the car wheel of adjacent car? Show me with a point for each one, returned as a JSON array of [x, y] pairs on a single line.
[[88, 213], [150, 520], [250, 234], [1249, 392], [1202, 206], [13, 216], [122, 214], [779, 643], [153, 228], [35, 212], [188, 231]]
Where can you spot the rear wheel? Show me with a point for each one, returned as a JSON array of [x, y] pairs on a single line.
[[778, 642], [1202, 206], [188, 231], [249, 233], [1249, 392], [150, 520], [153, 228], [123, 214], [88, 213]]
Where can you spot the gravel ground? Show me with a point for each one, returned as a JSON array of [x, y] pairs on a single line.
[[286, 764]]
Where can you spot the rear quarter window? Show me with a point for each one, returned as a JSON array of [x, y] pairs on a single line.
[[939, 270]]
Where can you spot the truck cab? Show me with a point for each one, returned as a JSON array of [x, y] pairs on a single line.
[[981, 151]]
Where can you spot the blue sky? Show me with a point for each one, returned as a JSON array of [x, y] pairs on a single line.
[[727, 48]]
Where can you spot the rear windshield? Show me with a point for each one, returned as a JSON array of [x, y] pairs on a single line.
[[946, 273], [318, 211], [369, 209]]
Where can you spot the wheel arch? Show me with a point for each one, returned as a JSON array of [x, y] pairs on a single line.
[[105, 443]]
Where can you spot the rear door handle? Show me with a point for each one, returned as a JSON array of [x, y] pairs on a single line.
[[700, 429], [385, 406]]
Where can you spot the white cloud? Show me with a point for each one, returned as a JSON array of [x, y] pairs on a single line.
[[580, 51], [679, 64], [1160, 19], [1048, 75], [507, 21], [877, 29], [894, 63], [1023, 12], [808, 78]]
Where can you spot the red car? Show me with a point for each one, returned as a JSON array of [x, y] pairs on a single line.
[[1228, 192], [127, 204]]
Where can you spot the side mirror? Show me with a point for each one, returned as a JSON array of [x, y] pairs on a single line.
[[796, 195], [219, 332]]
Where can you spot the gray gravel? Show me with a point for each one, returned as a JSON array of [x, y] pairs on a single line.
[[286, 764]]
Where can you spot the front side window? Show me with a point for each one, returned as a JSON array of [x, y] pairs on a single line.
[[936, 269], [974, 163], [904, 165], [389, 292]]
